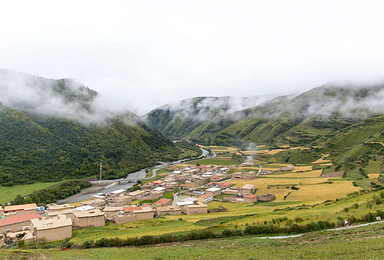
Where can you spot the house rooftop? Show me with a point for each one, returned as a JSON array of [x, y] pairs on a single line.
[[248, 186], [197, 206], [59, 207], [109, 209], [84, 208], [20, 207], [130, 209], [249, 196], [169, 208], [90, 213], [117, 191], [157, 182], [17, 219], [162, 201], [142, 210], [207, 195], [56, 222], [213, 189]]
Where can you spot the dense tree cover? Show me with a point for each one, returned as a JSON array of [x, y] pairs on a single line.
[[37, 148], [54, 193]]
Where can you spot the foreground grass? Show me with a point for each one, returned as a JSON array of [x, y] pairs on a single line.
[[156, 226], [9, 193], [359, 243]]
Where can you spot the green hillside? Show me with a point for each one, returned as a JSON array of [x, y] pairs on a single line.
[[296, 120], [38, 146]]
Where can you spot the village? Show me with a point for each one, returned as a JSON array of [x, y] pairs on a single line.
[[189, 189]]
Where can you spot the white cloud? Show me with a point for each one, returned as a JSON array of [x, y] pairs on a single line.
[[146, 53]]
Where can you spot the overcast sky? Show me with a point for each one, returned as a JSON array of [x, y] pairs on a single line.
[[143, 54]]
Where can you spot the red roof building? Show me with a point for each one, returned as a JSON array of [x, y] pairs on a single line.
[[14, 208], [158, 182], [130, 209], [16, 222], [163, 202]]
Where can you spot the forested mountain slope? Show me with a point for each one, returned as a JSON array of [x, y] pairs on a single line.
[[45, 141]]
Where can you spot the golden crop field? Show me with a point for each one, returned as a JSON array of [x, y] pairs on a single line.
[[270, 152], [322, 192], [302, 168], [322, 159], [374, 175], [222, 148], [249, 152], [265, 182], [325, 164], [308, 174]]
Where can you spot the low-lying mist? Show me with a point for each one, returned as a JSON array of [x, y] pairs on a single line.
[[64, 98]]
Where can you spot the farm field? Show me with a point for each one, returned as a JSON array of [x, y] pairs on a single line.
[[9, 193]]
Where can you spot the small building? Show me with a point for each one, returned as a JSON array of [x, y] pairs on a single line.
[[116, 192], [119, 201], [169, 210], [144, 213], [98, 196], [249, 198], [123, 218], [97, 203], [17, 210], [195, 209], [52, 229], [247, 189], [18, 222], [214, 191], [91, 218], [163, 202], [58, 208], [161, 189], [110, 212], [157, 183], [138, 194], [205, 198], [153, 195], [232, 190], [84, 208], [68, 213], [286, 169]]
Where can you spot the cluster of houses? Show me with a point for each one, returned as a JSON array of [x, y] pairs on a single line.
[[193, 187]]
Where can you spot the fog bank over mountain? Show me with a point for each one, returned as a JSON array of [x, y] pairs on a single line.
[[63, 98]]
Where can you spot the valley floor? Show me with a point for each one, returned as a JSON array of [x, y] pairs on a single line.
[[358, 243]]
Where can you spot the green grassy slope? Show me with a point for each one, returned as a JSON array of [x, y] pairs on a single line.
[[296, 120]]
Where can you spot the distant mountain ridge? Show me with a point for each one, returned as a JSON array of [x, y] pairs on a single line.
[[295, 119]]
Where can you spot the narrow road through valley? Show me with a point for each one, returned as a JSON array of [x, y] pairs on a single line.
[[107, 186]]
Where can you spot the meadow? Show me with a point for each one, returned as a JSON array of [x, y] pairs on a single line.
[[344, 244], [9, 193]]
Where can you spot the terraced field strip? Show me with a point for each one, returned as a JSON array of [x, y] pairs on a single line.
[[308, 174], [323, 192], [322, 159]]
